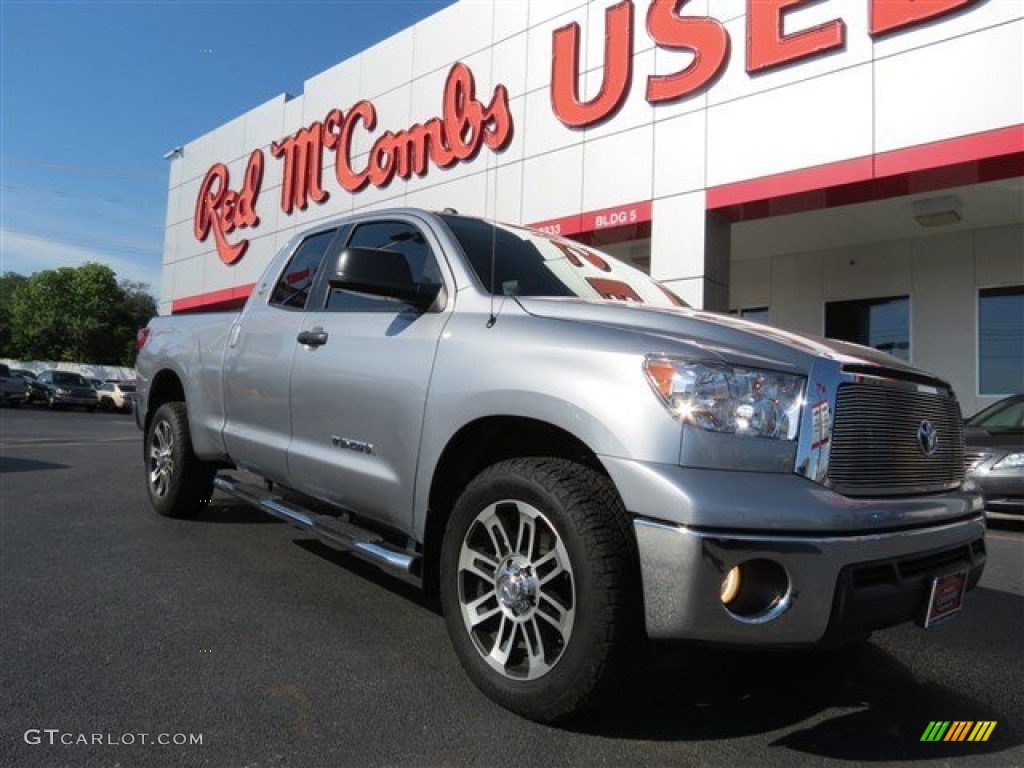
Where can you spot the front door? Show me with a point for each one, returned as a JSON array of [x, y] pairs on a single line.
[[358, 393]]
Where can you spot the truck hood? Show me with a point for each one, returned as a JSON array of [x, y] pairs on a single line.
[[724, 336]]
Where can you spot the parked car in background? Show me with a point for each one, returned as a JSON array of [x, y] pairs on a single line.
[[35, 392], [995, 455], [64, 388], [13, 389], [116, 395]]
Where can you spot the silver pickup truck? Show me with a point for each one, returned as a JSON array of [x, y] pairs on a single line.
[[563, 452]]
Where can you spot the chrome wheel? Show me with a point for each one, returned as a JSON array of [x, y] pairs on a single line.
[[516, 590], [161, 459]]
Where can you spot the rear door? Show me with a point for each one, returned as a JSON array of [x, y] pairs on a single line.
[[358, 398], [258, 360]]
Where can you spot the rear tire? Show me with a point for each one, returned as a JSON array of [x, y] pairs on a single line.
[[179, 483], [539, 586]]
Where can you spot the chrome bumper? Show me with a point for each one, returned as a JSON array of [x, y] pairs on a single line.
[[683, 569]]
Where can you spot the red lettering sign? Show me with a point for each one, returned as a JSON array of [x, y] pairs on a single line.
[[890, 15], [768, 46], [338, 133], [303, 160], [706, 37], [464, 127], [618, 69], [622, 216], [222, 210]]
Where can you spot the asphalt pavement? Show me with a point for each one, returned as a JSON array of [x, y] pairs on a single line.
[[121, 630]]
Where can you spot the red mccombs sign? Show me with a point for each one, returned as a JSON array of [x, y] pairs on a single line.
[[466, 124]]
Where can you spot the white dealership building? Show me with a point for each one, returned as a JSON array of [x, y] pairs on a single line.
[[851, 168]]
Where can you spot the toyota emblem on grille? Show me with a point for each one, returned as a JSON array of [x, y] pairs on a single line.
[[927, 437]]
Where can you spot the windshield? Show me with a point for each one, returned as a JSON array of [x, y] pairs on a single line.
[[1006, 414], [528, 263], [69, 379]]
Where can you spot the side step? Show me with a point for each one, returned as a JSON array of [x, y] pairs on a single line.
[[346, 536]]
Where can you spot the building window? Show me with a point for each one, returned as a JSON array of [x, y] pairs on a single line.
[[880, 323], [1001, 341]]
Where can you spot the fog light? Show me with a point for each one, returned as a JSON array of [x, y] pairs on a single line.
[[756, 591], [731, 585]]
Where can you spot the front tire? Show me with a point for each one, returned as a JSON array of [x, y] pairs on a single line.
[[539, 587], [179, 483]]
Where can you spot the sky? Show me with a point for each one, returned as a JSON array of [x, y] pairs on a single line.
[[94, 93]]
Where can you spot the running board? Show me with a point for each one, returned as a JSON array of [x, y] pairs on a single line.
[[346, 536]]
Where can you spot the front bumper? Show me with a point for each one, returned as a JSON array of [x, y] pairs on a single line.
[[850, 565], [838, 586]]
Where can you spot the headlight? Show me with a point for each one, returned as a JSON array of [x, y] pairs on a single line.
[[726, 398], [1010, 461], [62, 391]]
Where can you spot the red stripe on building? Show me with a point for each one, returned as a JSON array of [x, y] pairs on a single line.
[[977, 146], [973, 159], [228, 298]]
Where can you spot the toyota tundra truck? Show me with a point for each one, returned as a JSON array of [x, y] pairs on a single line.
[[565, 454]]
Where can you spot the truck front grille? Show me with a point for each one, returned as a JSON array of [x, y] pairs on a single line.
[[876, 446]]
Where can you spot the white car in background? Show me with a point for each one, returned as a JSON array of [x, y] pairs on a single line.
[[116, 395]]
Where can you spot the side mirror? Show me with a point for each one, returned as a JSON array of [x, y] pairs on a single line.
[[382, 273]]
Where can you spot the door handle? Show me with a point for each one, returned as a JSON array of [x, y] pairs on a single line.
[[315, 337]]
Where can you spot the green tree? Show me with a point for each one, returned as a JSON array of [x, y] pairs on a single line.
[[78, 314], [137, 307], [9, 281]]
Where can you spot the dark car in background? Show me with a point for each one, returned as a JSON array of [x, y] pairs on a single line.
[[64, 388], [13, 389], [36, 392], [995, 455]]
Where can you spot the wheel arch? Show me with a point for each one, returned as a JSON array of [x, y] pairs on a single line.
[[478, 445], [166, 387]]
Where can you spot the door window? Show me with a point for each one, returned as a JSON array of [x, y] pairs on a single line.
[[292, 290], [397, 236]]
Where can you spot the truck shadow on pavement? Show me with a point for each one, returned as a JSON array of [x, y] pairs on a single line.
[[11, 464], [858, 704], [394, 584], [230, 511]]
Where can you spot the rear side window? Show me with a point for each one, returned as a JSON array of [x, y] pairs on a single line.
[[292, 290]]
